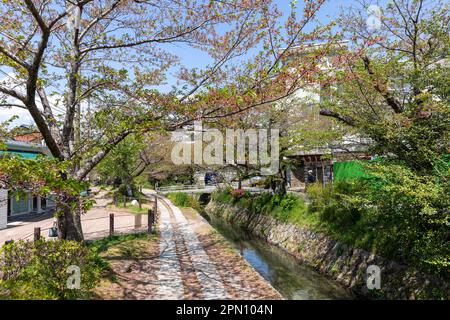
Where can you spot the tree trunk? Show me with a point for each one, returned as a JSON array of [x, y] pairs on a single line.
[[284, 182], [280, 183], [69, 220]]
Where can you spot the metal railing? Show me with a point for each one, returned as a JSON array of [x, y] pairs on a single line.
[[137, 223], [188, 187], [182, 187]]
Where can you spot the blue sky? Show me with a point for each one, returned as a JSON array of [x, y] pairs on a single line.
[[194, 58], [329, 11]]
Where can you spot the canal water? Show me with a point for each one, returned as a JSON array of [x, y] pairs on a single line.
[[294, 281]]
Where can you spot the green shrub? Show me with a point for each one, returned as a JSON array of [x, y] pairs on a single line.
[[396, 213], [39, 270], [285, 207], [223, 196], [103, 244], [414, 211], [262, 203], [185, 200], [342, 211], [238, 194], [318, 196], [179, 198], [337, 203]]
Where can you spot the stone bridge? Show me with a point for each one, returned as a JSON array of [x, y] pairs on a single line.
[[196, 188]]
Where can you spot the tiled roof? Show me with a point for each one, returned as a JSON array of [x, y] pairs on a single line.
[[29, 137]]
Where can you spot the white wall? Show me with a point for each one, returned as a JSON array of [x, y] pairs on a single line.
[[50, 202], [3, 208], [22, 205]]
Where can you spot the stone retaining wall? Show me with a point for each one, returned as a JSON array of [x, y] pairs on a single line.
[[345, 264]]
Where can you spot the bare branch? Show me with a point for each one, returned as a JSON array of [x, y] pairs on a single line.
[[146, 41], [13, 57], [381, 88], [10, 105], [346, 119], [219, 63], [87, 166], [13, 93], [99, 17], [36, 15]]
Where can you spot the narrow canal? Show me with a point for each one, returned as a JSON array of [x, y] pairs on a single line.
[[292, 279]]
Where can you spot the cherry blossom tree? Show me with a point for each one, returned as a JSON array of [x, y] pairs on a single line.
[[92, 72]]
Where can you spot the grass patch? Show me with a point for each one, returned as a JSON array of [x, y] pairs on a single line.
[[180, 199], [185, 200], [133, 249], [102, 245], [120, 253], [287, 208], [341, 221], [132, 208]]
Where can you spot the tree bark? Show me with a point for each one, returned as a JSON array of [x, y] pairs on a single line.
[[69, 220]]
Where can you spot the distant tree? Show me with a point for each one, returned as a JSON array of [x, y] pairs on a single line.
[[132, 156], [393, 83]]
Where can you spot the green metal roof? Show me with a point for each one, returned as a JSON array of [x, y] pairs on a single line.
[[24, 150], [23, 154]]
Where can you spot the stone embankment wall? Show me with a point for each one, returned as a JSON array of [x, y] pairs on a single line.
[[345, 264]]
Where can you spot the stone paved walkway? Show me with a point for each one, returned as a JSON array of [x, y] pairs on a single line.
[[209, 279], [195, 262], [169, 272], [189, 260]]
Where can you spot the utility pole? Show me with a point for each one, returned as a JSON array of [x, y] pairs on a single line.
[[73, 23], [88, 113]]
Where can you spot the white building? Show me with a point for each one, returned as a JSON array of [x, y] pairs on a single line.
[[319, 159]]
